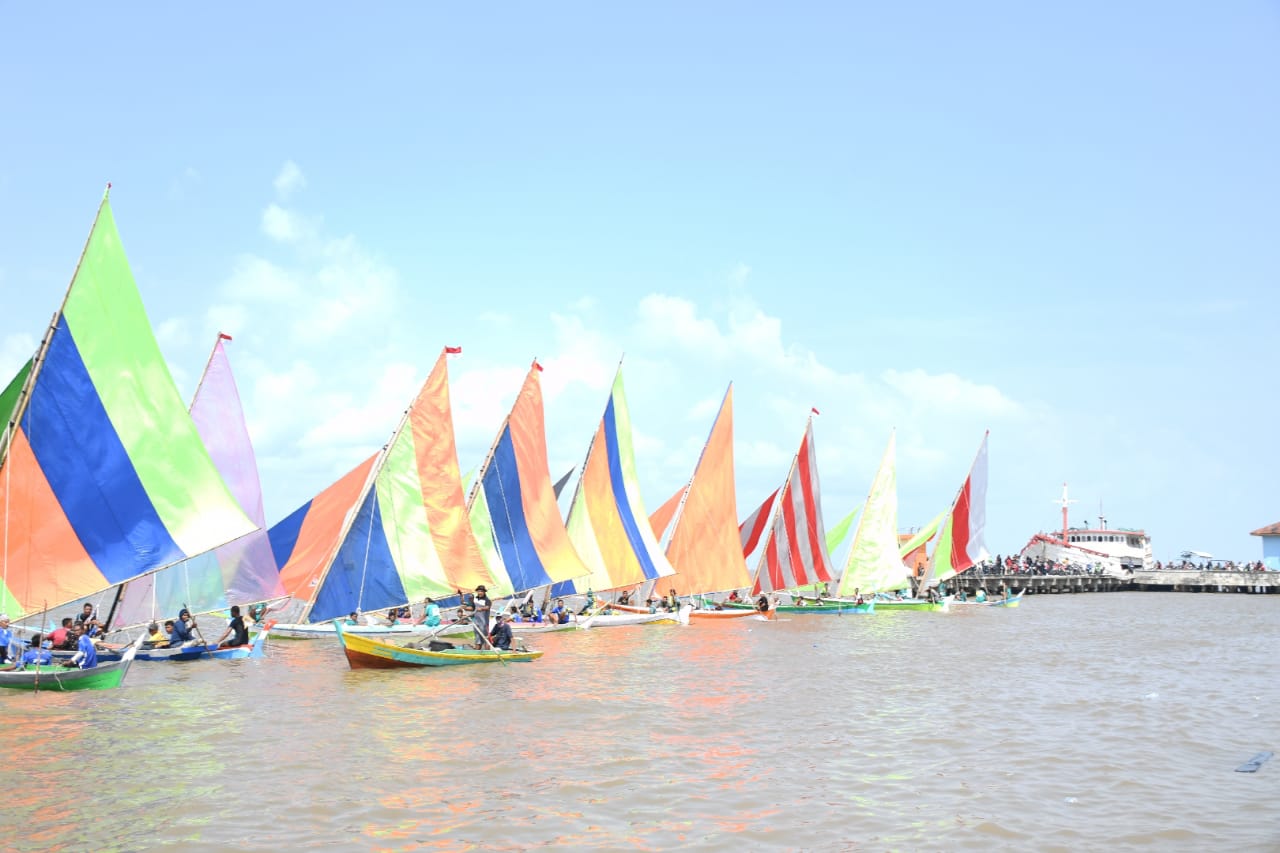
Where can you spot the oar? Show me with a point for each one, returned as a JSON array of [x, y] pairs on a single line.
[[488, 642], [204, 646]]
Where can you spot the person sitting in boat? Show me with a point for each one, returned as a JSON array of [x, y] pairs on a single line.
[[86, 656], [38, 653], [60, 638], [500, 636], [980, 596], [8, 650], [762, 603], [430, 612], [87, 620], [156, 638], [625, 598], [559, 613], [513, 614], [652, 604], [931, 595], [236, 634], [525, 611], [353, 618], [257, 611], [184, 628]]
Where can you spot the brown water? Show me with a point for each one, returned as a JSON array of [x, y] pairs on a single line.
[[1098, 722]]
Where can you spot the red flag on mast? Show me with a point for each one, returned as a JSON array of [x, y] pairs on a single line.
[[223, 336], [453, 350]]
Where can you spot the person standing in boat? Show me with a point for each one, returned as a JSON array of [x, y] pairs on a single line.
[[87, 620], [478, 607], [236, 634]]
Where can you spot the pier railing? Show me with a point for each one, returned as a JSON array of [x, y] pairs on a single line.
[[1153, 581]]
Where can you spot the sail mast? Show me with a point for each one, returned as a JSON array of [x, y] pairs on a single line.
[[24, 396]]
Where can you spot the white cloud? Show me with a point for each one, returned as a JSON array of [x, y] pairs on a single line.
[[282, 225], [290, 179], [948, 391]]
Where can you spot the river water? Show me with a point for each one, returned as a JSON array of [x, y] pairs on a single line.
[[1090, 722]]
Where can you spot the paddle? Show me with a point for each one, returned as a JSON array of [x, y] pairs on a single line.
[[489, 643], [204, 646]]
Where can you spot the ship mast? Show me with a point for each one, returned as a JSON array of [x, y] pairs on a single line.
[[1064, 502]]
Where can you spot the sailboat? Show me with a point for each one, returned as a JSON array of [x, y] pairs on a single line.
[[391, 531], [512, 505], [705, 547], [795, 552], [874, 564], [103, 474], [607, 523], [961, 543], [240, 572]]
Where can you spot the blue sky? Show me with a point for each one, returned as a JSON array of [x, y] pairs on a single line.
[[1056, 222]]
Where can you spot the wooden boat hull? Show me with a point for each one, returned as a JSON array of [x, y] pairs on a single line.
[[615, 620], [324, 631], [992, 602], [370, 653], [892, 605], [838, 608], [730, 612], [104, 676]]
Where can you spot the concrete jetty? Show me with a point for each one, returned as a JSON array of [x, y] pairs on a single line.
[[1153, 581]]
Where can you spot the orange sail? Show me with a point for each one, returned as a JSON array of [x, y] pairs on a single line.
[[662, 516], [705, 547], [441, 482]]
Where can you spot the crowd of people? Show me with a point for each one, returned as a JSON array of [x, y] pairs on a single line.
[[1024, 565]]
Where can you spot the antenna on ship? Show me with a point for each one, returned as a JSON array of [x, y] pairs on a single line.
[[1102, 519], [1064, 502]]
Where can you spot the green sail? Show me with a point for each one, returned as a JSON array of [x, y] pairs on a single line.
[[874, 564]]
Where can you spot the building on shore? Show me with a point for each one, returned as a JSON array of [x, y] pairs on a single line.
[[1270, 545]]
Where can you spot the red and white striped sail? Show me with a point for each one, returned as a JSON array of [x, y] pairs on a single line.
[[795, 554], [755, 525], [960, 544]]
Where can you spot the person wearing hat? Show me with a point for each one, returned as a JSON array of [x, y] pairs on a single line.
[[500, 638], [7, 648], [478, 607]]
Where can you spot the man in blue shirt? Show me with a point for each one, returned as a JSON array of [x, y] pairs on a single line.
[[8, 651], [86, 656]]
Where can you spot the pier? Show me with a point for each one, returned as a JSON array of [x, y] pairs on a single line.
[[1144, 581]]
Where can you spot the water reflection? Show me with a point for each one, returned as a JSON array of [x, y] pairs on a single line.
[[1072, 722]]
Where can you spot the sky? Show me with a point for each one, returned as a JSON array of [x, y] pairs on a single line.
[[1058, 222]]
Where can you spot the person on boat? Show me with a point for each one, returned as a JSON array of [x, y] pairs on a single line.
[[183, 629], [58, 637], [38, 653], [857, 596], [87, 620], [430, 612], [960, 596], [513, 614], [353, 618], [8, 651], [651, 604], [931, 595], [559, 614], [762, 603], [980, 596], [625, 598], [236, 634], [86, 656], [155, 637], [257, 611], [478, 608], [500, 637]]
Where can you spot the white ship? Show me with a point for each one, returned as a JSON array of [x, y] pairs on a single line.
[[1111, 551]]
